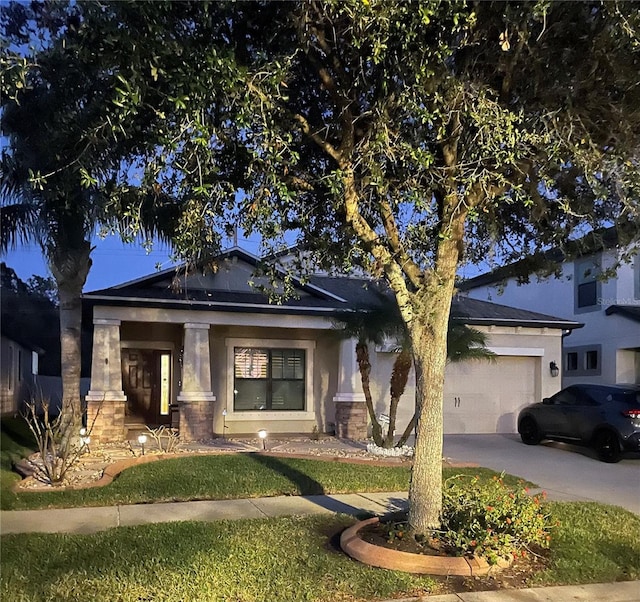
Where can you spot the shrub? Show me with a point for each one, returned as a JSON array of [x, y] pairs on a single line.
[[490, 519]]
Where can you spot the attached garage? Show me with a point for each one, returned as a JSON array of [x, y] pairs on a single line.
[[486, 396]]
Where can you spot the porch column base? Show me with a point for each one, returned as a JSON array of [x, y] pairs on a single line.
[[107, 409], [351, 417], [196, 416]]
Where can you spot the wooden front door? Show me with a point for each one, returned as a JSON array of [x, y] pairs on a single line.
[[146, 381]]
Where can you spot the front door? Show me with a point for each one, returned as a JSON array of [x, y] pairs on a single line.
[[146, 380]]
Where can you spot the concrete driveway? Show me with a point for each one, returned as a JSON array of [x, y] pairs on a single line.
[[564, 471]]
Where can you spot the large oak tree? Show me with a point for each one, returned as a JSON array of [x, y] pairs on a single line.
[[405, 138]]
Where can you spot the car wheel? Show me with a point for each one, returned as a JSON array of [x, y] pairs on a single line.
[[529, 431], [608, 447]]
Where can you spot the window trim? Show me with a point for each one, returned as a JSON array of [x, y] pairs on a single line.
[[306, 413], [269, 380]]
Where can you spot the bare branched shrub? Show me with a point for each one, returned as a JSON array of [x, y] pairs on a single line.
[[59, 450], [167, 439]]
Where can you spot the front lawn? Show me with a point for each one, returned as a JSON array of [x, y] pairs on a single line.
[[220, 477], [284, 559]]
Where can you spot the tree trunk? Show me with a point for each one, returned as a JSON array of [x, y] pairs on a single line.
[[432, 305], [70, 269]]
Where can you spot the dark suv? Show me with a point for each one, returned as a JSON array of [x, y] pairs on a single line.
[[606, 417]]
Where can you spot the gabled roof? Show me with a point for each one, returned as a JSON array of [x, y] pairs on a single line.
[[320, 295]]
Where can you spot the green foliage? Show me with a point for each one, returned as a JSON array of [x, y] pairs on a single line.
[[492, 519]]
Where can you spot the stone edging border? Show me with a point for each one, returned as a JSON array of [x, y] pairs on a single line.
[[353, 545]]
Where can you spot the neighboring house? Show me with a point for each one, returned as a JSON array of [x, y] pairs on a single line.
[[607, 349], [18, 371], [213, 356]]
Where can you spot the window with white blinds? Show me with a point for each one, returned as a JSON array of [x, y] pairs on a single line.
[[269, 379]]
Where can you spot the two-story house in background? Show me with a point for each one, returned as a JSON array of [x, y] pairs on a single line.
[[607, 348]]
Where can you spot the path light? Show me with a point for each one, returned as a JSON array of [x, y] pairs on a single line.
[[224, 423], [263, 435], [142, 439]]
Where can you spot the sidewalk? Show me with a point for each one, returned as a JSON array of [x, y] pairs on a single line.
[[623, 591], [92, 520]]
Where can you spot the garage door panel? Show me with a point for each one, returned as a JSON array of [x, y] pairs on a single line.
[[485, 397]]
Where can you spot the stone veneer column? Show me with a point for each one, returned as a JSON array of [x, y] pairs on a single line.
[[106, 399], [351, 410], [196, 401]]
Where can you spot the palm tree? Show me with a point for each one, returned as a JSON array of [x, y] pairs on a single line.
[[374, 324], [63, 170]]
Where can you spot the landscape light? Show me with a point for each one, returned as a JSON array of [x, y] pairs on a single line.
[[142, 439], [263, 435]]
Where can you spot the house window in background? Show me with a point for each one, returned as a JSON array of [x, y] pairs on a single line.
[[587, 287], [269, 379], [591, 359], [585, 360]]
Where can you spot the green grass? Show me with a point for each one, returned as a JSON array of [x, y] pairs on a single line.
[[284, 559], [595, 543], [223, 477]]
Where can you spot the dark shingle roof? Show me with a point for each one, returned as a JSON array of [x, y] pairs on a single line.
[[628, 311], [323, 295]]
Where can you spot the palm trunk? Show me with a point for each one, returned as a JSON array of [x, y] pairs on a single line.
[[364, 365], [399, 378], [70, 269]]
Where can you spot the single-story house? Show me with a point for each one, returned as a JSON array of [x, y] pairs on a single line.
[[213, 356]]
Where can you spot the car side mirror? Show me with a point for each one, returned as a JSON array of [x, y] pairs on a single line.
[[547, 401]]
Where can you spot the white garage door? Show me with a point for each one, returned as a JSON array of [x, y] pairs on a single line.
[[485, 397], [479, 397]]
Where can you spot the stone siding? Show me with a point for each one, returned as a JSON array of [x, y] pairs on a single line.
[[109, 422], [196, 420], [351, 420]]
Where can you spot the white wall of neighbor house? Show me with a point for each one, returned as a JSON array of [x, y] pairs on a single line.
[[614, 340], [483, 396]]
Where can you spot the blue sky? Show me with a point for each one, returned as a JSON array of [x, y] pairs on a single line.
[[113, 261]]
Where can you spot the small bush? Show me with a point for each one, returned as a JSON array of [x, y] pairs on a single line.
[[492, 520]]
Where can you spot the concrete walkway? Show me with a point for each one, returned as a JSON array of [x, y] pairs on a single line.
[[91, 520]]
